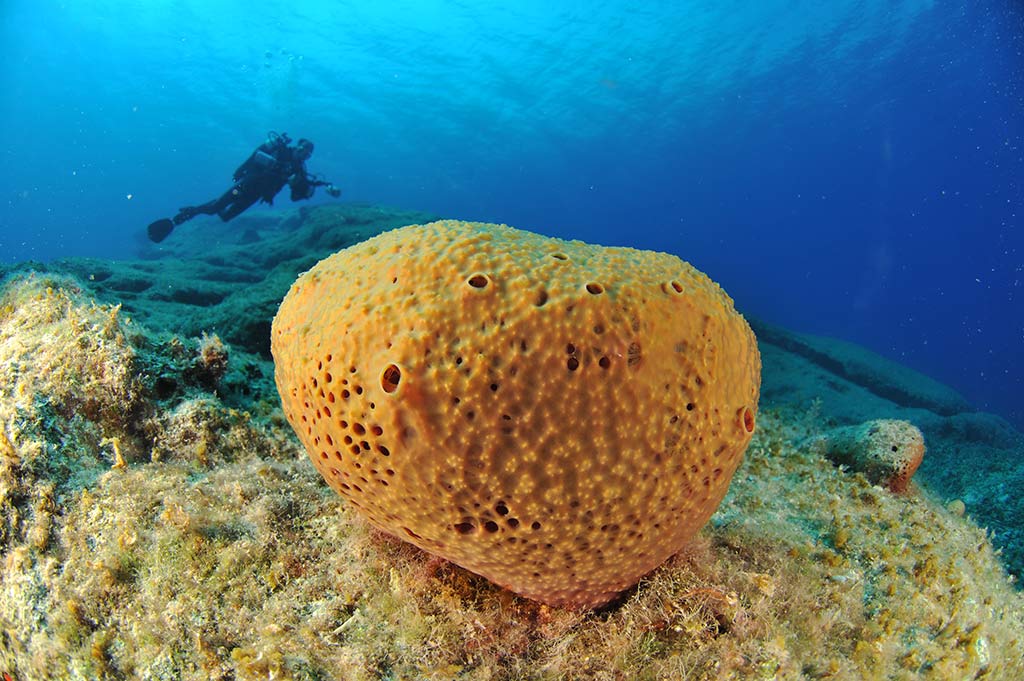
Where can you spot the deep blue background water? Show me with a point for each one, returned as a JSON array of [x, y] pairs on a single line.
[[845, 168]]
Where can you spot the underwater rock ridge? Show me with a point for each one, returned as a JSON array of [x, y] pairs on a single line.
[[555, 416], [894, 382]]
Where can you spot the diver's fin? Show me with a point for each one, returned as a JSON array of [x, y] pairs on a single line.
[[159, 230]]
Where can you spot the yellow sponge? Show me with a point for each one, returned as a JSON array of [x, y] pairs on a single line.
[[555, 416]]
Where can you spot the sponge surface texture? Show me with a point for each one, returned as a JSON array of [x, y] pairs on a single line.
[[556, 416]]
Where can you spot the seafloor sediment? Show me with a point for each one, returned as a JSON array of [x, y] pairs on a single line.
[[159, 520]]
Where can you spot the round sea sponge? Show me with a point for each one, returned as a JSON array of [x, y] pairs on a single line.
[[887, 451], [555, 416]]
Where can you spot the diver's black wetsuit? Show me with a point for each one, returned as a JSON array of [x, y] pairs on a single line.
[[267, 170]]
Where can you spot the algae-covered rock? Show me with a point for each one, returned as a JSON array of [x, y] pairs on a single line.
[[187, 536], [59, 346], [70, 394]]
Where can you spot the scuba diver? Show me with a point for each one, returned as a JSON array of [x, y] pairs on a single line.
[[268, 169]]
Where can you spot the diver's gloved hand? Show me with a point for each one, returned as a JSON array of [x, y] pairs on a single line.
[[333, 191]]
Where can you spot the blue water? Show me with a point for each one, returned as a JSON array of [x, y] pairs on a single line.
[[843, 168]]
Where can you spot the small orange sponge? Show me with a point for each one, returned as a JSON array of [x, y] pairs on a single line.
[[887, 451], [555, 416]]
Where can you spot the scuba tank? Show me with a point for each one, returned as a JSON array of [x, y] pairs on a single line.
[[265, 158], [262, 160]]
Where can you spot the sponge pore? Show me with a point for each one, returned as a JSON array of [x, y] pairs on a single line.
[[555, 416]]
